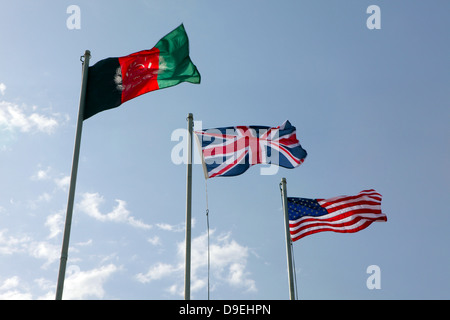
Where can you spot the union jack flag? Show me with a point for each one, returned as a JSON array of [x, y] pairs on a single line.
[[230, 151]]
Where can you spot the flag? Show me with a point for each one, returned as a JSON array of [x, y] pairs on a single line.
[[230, 151], [340, 214], [113, 81]]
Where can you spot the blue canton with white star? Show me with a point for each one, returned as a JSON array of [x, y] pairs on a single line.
[[300, 207]]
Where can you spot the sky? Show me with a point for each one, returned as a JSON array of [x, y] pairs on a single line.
[[371, 107]]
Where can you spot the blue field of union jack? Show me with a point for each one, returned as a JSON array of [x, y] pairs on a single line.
[[230, 151]]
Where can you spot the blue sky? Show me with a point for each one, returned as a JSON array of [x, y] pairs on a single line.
[[371, 107]]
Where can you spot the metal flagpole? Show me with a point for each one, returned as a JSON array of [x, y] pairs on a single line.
[[73, 178], [187, 270], [288, 240]]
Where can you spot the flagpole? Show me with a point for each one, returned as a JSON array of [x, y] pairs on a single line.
[[288, 240], [187, 271], [73, 178]]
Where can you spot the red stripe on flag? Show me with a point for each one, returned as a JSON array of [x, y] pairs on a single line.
[[346, 214], [356, 229], [333, 219], [139, 73]]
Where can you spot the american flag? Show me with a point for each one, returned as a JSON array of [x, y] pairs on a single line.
[[230, 151], [339, 214]]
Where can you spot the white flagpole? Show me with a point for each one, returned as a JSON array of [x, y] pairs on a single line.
[[73, 178], [187, 270], [288, 240]]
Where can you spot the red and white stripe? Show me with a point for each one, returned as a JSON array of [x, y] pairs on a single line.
[[346, 214]]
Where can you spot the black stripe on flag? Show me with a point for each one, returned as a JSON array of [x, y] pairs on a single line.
[[104, 89]]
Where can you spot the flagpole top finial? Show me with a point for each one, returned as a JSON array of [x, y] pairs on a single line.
[[87, 55]]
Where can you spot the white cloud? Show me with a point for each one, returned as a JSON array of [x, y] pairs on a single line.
[[80, 285], [154, 240], [228, 261], [9, 290], [44, 250], [10, 244], [37, 249], [180, 227], [55, 223], [85, 243], [43, 123], [14, 117], [62, 183], [48, 286], [10, 283], [2, 88], [45, 197], [41, 174], [158, 271], [15, 295], [169, 227], [90, 205], [15, 289]]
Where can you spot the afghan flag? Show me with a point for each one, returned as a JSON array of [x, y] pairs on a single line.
[[113, 81]]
